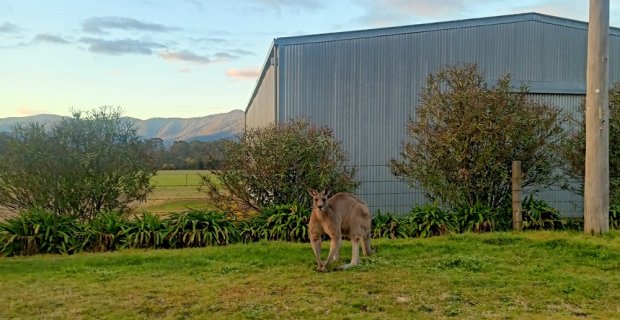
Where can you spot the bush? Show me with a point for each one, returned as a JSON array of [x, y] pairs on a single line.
[[466, 136], [538, 215], [106, 232], [614, 217], [78, 166], [146, 231], [477, 218], [574, 148], [387, 226], [287, 222], [38, 231], [276, 165], [429, 220], [201, 228]]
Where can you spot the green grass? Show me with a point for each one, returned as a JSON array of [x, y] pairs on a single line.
[[175, 191], [537, 275], [178, 177]]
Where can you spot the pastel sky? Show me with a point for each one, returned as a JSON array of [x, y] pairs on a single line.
[[187, 58]]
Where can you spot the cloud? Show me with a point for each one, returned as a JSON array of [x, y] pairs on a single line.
[[224, 56], [243, 74], [191, 57], [47, 38], [118, 47], [209, 40], [185, 56], [393, 12], [381, 13], [8, 28], [98, 25], [298, 4], [242, 52]]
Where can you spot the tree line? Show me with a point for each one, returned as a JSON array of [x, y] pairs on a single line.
[[180, 155], [183, 155]]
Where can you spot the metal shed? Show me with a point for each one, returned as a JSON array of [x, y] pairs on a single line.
[[366, 84]]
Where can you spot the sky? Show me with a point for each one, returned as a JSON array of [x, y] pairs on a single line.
[[188, 58]]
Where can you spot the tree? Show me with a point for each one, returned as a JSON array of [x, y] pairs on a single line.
[[78, 166], [5, 140], [574, 148], [466, 136], [276, 165]]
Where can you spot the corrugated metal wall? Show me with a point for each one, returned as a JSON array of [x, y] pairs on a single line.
[[367, 88], [262, 108]]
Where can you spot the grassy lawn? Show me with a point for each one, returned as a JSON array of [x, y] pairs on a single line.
[[538, 275]]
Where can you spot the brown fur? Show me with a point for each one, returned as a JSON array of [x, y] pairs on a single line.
[[343, 214]]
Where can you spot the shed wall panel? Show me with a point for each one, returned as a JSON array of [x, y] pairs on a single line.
[[262, 109], [365, 89]]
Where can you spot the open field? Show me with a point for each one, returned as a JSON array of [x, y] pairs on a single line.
[[538, 275], [174, 191]]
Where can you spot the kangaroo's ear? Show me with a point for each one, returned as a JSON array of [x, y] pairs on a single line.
[[327, 193], [312, 192]]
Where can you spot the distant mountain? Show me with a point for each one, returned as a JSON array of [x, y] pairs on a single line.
[[213, 127]]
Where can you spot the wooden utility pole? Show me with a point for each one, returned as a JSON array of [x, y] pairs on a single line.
[[596, 188], [517, 190]]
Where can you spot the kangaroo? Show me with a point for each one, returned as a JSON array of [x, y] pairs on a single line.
[[338, 215]]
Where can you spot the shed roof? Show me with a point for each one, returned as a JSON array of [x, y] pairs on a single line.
[[436, 26]]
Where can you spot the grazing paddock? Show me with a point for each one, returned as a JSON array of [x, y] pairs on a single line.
[[533, 275], [175, 191]]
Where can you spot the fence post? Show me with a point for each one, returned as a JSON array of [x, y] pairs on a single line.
[[517, 218]]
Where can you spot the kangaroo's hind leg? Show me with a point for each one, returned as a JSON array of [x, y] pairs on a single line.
[[366, 248], [355, 253]]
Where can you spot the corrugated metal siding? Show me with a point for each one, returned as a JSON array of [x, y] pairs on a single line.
[[569, 203], [262, 109], [366, 88]]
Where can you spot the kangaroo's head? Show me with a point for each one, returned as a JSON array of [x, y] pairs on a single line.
[[319, 199]]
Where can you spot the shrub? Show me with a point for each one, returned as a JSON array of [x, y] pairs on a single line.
[[38, 231], [466, 136], [146, 231], [288, 222], [538, 215], [574, 148], [429, 220], [477, 218], [201, 228], [106, 232], [614, 217], [575, 224], [276, 165], [78, 166], [387, 226]]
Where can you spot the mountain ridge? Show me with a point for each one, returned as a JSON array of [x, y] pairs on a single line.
[[207, 128]]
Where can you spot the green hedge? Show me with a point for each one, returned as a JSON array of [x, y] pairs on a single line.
[[39, 231]]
